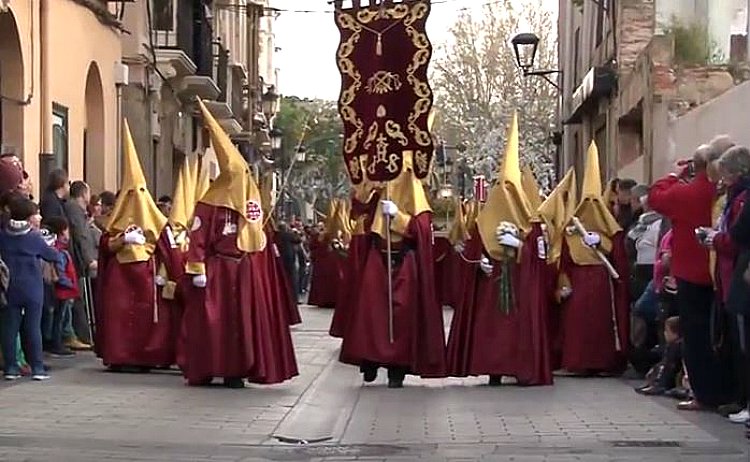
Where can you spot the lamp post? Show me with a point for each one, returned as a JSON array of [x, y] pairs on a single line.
[[269, 102], [525, 47]]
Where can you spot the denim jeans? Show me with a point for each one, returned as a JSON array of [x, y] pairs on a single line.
[[27, 320], [62, 325], [647, 306], [48, 313]]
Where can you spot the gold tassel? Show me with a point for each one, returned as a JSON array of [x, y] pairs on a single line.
[[379, 46]]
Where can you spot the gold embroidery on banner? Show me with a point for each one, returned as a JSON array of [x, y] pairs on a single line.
[[394, 131], [383, 82], [355, 169], [410, 14], [381, 112]]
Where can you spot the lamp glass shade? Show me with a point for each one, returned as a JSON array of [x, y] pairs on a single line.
[[276, 136], [525, 46], [270, 102]]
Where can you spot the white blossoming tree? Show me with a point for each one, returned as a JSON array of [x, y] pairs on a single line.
[[478, 85]]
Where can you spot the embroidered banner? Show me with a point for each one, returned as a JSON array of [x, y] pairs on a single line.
[[385, 98]]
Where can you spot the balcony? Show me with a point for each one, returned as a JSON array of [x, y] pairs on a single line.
[[230, 94], [182, 34]]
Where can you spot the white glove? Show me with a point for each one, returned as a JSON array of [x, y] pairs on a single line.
[[134, 237], [160, 281], [509, 240], [592, 239], [200, 281], [710, 235], [565, 292], [486, 266], [459, 247], [389, 208]]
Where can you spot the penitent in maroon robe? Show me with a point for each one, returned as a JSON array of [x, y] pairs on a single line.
[[280, 280], [448, 274], [135, 325], [327, 274], [587, 339], [233, 328], [419, 339], [487, 341]]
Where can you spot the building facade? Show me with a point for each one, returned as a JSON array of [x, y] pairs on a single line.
[[181, 50], [60, 69], [634, 70]]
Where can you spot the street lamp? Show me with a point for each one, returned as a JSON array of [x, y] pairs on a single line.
[[525, 46], [301, 155], [276, 136], [270, 102]]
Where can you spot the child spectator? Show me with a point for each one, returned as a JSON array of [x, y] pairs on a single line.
[[66, 289], [663, 377], [21, 247]]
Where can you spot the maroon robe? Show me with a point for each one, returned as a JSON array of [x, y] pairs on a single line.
[[446, 281], [135, 324], [233, 327], [419, 338], [486, 341], [327, 274], [350, 285], [587, 339], [280, 280]]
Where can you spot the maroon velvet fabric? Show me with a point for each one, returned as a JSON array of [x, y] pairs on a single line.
[[327, 274], [234, 328], [404, 96], [350, 285], [448, 273], [127, 332], [586, 333], [280, 280], [419, 338], [485, 341]]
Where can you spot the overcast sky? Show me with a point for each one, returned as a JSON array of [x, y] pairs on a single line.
[[308, 43]]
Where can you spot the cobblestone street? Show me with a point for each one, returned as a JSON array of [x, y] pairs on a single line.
[[84, 414]]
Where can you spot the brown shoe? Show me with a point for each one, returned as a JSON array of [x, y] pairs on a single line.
[[691, 405], [77, 345]]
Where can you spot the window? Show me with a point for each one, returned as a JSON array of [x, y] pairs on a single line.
[[163, 15], [601, 15], [60, 136]]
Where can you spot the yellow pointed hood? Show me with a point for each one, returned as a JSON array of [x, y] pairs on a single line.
[[458, 232], [183, 200], [342, 225], [407, 192], [330, 223], [531, 188], [235, 188], [472, 210], [202, 179], [135, 207], [556, 212], [593, 213], [506, 201]]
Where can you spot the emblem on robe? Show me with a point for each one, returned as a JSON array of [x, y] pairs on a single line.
[[253, 211], [383, 82]]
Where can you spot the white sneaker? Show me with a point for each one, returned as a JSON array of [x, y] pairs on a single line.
[[12, 377], [741, 417], [40, 377]]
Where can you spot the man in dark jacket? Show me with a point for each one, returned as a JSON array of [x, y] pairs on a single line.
[[84, 254], [55, 194]]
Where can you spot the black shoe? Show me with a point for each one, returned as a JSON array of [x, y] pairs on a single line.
[[396, 383], [234, 383], [650, 391], [369, 374], [496, 380], [62, 353]]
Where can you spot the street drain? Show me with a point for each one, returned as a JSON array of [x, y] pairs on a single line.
[[646, 444], [302, 452]]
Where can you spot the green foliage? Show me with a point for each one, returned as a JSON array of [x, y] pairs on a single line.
[[693, 44], [314, 125]]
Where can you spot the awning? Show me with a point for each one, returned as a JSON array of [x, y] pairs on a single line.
[[598, 83]]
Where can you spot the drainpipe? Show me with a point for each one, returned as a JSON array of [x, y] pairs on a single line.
[[46, 152]]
